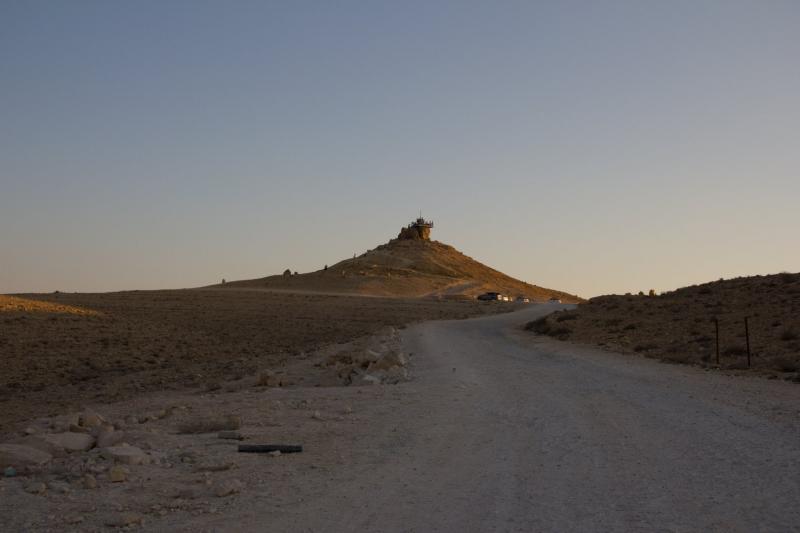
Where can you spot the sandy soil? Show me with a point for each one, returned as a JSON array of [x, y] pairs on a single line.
[[679, 327], [60, 351], [495, 431]]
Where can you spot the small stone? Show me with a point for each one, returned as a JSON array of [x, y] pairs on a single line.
[[232, 435], [124, 519], [10, 472], [35, 488], [228, 487], [214, 467], [317, 416], [59, 487], [369, 379], [275, 453], [128, 455], [389, 360], [117, 474], [73, 519], [90, 419], [89, 481], [70, 441], [268, 378], [106, 436]]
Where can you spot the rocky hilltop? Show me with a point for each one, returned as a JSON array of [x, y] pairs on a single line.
[[411, 265]]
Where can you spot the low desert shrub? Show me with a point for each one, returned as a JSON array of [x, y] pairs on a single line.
[[540, 325], [789, 334], [734, 351], [561, 332], [645, 347], [564, 316], [786, 364]]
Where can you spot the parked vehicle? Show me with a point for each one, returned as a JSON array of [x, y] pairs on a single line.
[[523, 299], [492, 297], [554, 300]]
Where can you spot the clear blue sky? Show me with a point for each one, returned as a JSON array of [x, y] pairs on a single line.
[[593, 147]]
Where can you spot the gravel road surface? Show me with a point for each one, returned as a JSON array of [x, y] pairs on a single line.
[[503, 431]]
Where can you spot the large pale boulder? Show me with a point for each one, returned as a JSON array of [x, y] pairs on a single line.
[[127, 455], [20, 456], [70, 441]]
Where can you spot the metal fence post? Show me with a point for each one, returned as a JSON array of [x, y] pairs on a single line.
[[747, 337]]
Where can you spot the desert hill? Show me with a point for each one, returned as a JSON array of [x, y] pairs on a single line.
[[679, 326], [408, 266]]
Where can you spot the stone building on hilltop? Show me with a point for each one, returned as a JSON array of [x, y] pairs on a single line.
[[420, 229]]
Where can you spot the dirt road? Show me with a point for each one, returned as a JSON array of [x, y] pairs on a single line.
[[503, 432]]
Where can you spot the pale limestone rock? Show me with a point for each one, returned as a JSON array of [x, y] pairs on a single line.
[[228, 487], [117, 474], [70, 441], [20, 456], [128, 455]]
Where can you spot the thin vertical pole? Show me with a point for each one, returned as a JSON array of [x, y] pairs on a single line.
[[716, 327], [747, 336]]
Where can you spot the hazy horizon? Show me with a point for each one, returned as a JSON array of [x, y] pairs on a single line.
[[582, 147]]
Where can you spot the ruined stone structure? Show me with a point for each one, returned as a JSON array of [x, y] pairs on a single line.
[[420, 229]]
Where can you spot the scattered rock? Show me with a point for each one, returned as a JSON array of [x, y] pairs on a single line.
[[70, 441], [20, 456], [35, 488], [89, 419], [228, 487], [73, 518], [209, 425], [275, 453], [128, 455], [369, 379], [317, 416], [59, 487], [37, 442], [89, 481], [117, 474], [389, 360], [124, 519], [214, 467], [232, 435], [10, 472], [107, 436], [268, 378]]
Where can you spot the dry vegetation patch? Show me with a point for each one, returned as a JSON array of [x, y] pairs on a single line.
[[14, 304], [679, 326], [59, 351]]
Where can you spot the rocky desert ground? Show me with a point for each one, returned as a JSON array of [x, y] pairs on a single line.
[[679, 326], [124, 408], [60, 351]]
